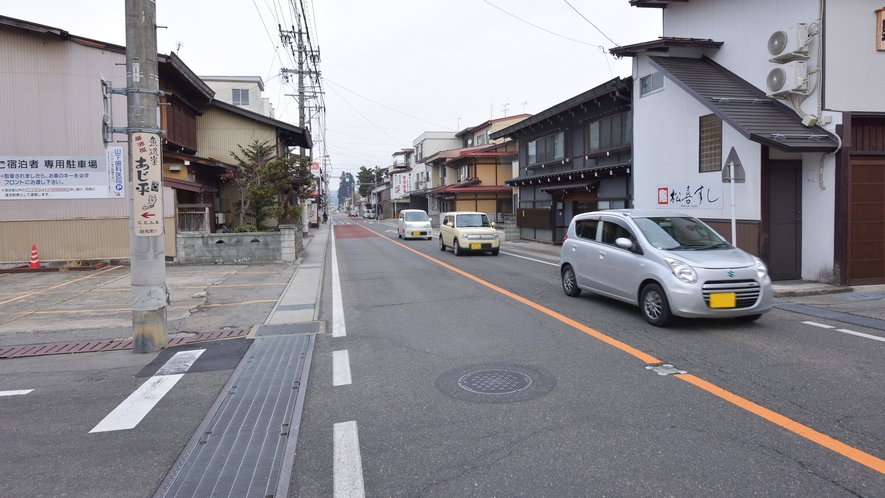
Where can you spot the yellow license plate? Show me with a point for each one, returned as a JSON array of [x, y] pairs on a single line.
[[415, 234], [723, 300], [474, 247]]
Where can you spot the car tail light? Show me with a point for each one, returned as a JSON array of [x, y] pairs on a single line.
[[564, 238]]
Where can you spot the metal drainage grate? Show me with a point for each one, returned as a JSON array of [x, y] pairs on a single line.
[[497, 381]]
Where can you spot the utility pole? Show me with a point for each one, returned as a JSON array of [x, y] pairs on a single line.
[[146, 236]]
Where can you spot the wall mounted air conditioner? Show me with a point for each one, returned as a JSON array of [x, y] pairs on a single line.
[[789, 44], [791, 77]]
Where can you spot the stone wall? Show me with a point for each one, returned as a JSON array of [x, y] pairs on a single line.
[[511, 231], [247, 247]]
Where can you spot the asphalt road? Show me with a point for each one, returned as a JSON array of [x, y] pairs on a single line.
[[439, 375], [595, 421]]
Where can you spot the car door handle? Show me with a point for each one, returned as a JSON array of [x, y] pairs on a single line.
[[601, 255]]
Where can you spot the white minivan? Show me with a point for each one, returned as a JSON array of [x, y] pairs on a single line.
[[413, 224]]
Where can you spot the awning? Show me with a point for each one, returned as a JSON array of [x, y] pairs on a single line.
[[744, 107], [572, 176]]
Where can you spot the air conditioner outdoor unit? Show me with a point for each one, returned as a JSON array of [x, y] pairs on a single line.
[[791, 77], [788, 44]]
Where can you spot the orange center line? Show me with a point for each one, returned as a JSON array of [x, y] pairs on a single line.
[[791, 425]]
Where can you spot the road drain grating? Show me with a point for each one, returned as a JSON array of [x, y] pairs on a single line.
[[108, 345], [497, 383]]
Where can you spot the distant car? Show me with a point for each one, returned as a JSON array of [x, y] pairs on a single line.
[[351, 215], [369, 215], [667, 264], [468, 231], [413, 223]]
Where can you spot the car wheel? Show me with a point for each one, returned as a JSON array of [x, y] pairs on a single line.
[[442, 245], [655, 307], [495, 251], [456, 248], [748, 318], [569, 282]]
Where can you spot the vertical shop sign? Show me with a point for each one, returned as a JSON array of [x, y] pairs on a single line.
[[147, 184]]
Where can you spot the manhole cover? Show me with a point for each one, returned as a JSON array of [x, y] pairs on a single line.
[[496, 381]]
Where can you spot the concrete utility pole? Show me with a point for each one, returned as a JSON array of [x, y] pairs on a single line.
[[146, 236]]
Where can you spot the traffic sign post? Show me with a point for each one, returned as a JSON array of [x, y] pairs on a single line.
[[733, 172]]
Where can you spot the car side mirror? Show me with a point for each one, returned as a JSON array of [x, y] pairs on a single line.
[[450, 224], [492, 224], [624, 243]]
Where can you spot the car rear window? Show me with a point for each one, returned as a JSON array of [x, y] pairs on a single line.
[[416, 216], [586, 229]]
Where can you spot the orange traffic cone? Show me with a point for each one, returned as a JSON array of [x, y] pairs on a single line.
[[35, 260]]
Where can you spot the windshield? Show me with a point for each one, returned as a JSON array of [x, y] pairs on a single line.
[[680, 234], [416, 216], [472, 220]]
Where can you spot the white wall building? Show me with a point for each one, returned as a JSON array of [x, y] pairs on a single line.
[[705, 87]]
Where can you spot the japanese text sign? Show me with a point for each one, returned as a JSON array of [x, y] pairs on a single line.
[[147, 184], [690, 195]]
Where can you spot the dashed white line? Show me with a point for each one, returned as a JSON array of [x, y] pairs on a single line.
[[340, 368], [861, 334], [846, 331], [530, 259], [130, 412], [821, 325], [15, 393], [338, 328], [348, 466]]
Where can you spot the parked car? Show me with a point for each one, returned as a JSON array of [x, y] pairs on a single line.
[[465, 231], [667, 264], [413, 223]]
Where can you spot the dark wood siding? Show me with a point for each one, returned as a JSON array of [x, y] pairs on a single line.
[[866, 230], [749, 233], [867, 135]]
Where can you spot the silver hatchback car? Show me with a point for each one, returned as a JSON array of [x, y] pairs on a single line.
[[667, 264]]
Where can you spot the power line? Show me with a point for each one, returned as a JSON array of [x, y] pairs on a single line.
[[591, 23], [543, 29], [384, 106]]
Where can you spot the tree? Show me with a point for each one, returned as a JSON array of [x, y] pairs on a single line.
[[269, 186], [369, 178]]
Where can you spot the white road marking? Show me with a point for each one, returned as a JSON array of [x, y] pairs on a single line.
[[348, 466], [530, 259], [819, 325], [861, 334], [15, 393], [338, 328], [340, 368], [846, 331], [130, 412]]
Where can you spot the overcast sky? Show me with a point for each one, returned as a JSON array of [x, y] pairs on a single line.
[[391, 69]]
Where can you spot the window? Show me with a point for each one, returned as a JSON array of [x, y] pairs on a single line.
[[651, 83], [241, 97], [710, 143], [549, 148], [586, 229], [611, 132]]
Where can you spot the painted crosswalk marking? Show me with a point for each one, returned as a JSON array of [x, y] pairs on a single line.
[[131, 411]]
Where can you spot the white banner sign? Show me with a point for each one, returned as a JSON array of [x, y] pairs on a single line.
[[690, 195], [60, 177], [147, 184]]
